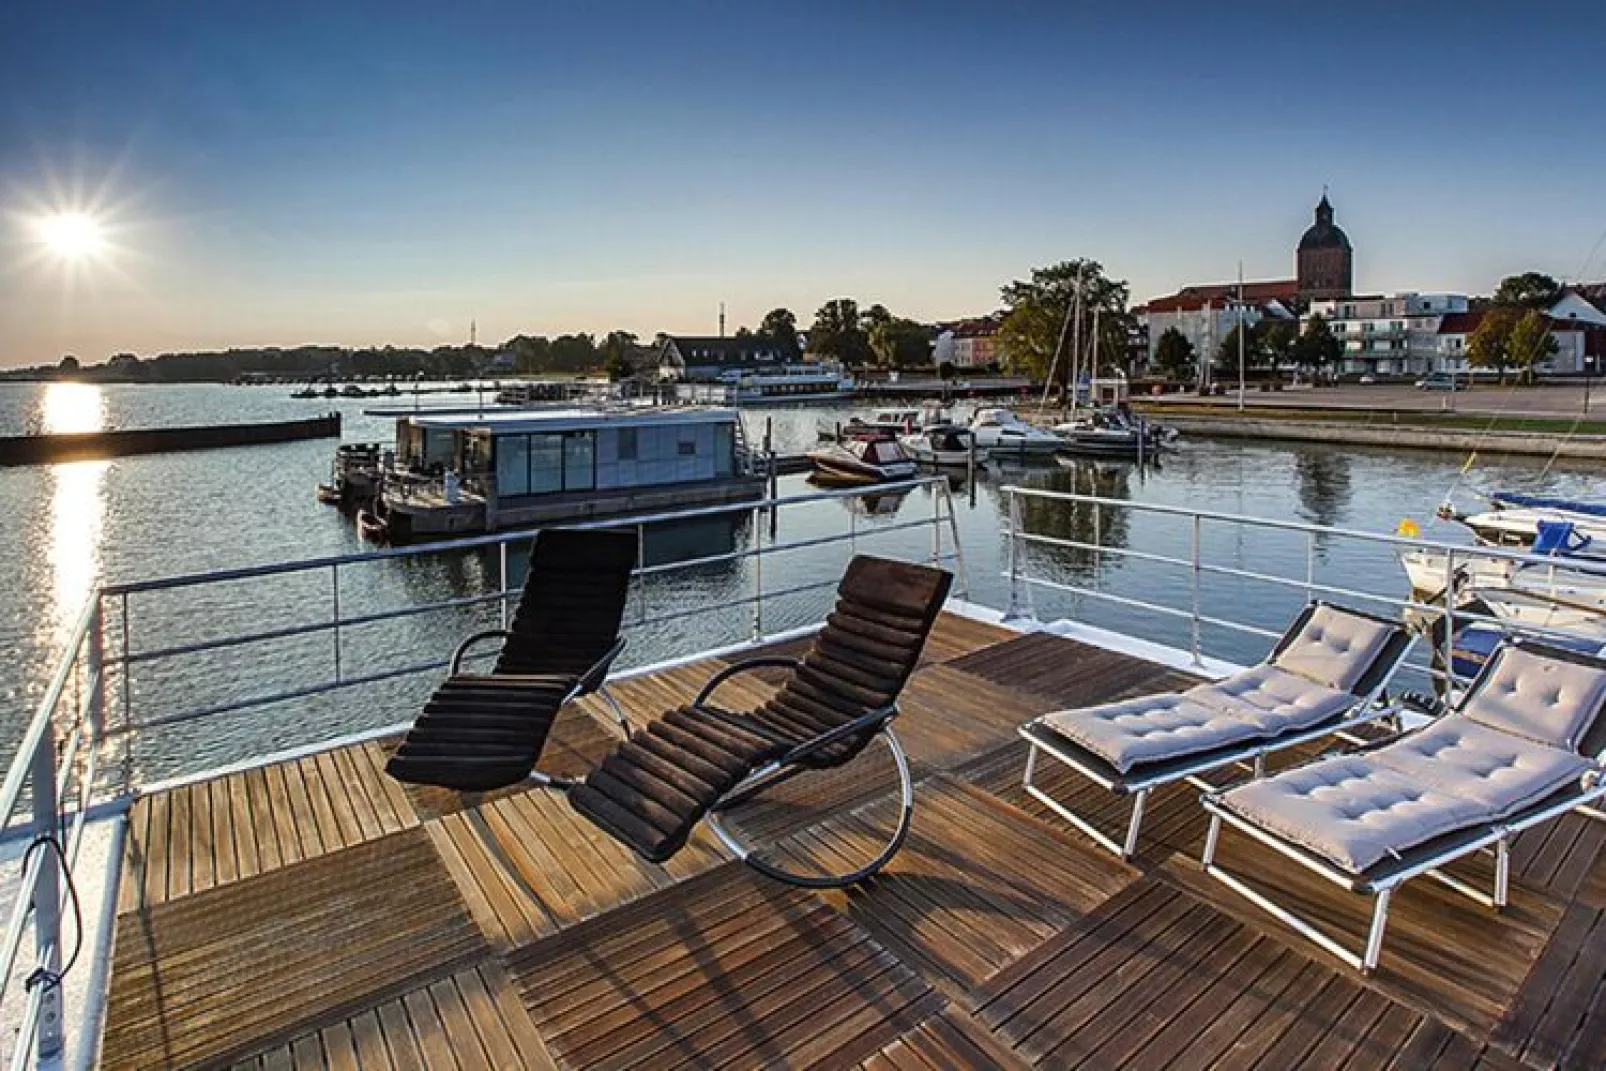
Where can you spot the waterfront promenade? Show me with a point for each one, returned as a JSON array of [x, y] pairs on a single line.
[[1558, 401]]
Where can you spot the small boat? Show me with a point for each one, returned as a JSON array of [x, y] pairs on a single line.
[[371, 526], [308, 393], [860, 461], [1516, 519], [944, 444], [1002, 433], [330, 392], [353, 391], [1112, 432], [328, 494], [1558, 542]]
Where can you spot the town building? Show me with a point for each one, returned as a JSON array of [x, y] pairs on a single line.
[[1206, 315], [1324, 260], [971, 343], [1388, 335], [1577, 324], [709, 357]]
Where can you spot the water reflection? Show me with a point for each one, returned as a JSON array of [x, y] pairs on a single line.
[[77, 501], [1324, 490], [1081, 522]]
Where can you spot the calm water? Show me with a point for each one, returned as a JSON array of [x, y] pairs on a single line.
[[75, 525]]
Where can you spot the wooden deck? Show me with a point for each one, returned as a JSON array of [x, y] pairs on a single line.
[[316, 914]]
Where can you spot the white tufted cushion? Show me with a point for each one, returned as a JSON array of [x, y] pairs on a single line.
[[1334, 648], [1351, 810], [1273, 700], [1543, 699], [1150, 729], [1493, 770]]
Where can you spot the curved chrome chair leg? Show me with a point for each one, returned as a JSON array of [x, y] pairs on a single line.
[[830, 881], [618, 712]]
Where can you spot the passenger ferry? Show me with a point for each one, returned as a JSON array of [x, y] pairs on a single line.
[[782, 383], [297, 905], [456, 474]]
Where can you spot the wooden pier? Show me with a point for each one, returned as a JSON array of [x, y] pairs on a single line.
[[317, 914], [92, 445]]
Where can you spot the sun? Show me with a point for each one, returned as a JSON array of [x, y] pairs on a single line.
[[72, 236]]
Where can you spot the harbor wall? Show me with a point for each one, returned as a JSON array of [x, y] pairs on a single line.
[[1463, 441], [90, 445]]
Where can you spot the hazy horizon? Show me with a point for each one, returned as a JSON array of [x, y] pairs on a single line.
[[353, 175]]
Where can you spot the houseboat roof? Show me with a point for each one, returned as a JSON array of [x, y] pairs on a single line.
[[513, 421]]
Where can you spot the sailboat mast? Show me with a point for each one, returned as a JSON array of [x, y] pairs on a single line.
[[1075, 369]]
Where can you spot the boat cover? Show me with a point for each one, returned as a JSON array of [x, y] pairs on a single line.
[[1593, 509]]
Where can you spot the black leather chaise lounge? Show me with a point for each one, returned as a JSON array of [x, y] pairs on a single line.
[[701, 760], [485, 731]]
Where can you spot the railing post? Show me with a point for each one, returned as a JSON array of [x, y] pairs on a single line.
[[1197, 659], [758, 573], [128, 668], [95, 667], [1310, 566], [1014, 554], [936, 528], [334, 591], [1449, 626], [501, 584], [47, 900]]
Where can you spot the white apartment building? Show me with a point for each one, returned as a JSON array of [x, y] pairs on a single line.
[[1389, 335]]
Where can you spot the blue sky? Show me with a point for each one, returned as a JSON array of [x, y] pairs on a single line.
[[386, 172]]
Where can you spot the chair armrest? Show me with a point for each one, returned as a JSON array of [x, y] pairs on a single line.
[[462, 648], [592, 679], [763, 662]]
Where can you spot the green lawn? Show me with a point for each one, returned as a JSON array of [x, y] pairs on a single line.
[[1402, 418]]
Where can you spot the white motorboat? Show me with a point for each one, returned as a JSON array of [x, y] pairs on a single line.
[[1516, 519], [862, 461], [944, 444], [1002, 433]]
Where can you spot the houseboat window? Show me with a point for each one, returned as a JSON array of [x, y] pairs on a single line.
[[724, 449], [688, 448], [513, 465], [627, 444], [579, 461], [439, 445], [546, 463]]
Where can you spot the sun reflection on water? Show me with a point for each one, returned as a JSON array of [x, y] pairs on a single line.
[[77, 500]]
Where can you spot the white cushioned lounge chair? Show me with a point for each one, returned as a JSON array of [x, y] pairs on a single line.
[[1525, 745], [1325, 675]]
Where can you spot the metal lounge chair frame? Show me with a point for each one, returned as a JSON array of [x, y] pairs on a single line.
[[1191, 768], [1428, 859]]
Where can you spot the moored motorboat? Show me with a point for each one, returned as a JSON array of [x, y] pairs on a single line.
[[328, 494], [861, 461], [944, 444], [1003, 433]]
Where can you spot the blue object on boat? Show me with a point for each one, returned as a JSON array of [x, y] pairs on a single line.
[[1475, 643], [1559, 538], [1593, 509]]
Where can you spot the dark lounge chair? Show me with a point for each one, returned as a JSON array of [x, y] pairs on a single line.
[[485, 731], [701, 760]]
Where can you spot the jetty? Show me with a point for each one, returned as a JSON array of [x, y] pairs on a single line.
[[96, 445]]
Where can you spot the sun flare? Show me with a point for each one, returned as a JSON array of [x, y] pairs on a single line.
[[72, 235]]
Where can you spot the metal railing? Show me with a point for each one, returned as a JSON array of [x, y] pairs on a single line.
[[1442, 617], [55, 767], [50, 782]]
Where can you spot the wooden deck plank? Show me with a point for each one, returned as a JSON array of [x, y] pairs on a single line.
[[232, 970]]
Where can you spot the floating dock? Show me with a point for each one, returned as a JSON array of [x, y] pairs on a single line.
[[94, 445]]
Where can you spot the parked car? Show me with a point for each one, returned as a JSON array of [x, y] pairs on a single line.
[[1368, 380], [1443, 381]]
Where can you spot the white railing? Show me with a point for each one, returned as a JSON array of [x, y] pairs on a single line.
[[50, 783], [55, 766], [1441, 618]]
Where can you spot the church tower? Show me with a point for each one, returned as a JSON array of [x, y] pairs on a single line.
[[1325, 260]]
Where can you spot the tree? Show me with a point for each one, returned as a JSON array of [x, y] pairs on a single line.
[[1530, 290], [900, 343], [875, 314], [780, 327], [838, 333], [1317, 347], [68, 364], [1530, 343], [1490, 344], [1277, 341], [615, 354], [1227, 353], [1038, 310], [1174, 354]]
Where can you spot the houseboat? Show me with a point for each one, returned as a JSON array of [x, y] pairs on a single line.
[[781, 383], [480, 473]]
